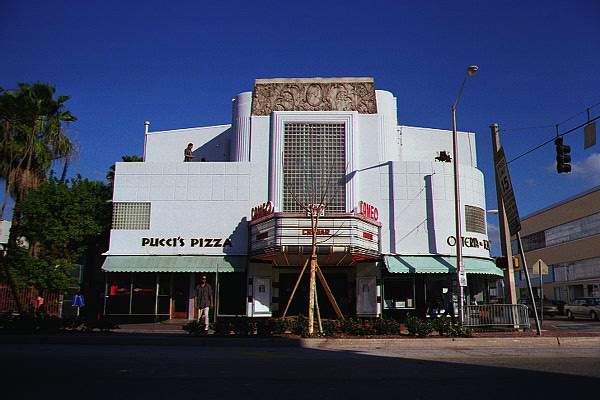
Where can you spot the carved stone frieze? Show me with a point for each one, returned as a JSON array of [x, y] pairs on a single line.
[[316, 94]]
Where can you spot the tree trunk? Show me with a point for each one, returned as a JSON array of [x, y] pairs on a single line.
[[311, 294], [12, 241]]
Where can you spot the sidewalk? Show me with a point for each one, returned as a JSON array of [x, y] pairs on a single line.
[[170, 333]]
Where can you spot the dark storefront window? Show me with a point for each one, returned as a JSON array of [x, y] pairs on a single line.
[[144, 294], [232, 294], [398, 293], [164, 294], [118, 300]]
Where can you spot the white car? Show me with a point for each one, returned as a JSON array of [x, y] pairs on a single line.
[[583, 307]]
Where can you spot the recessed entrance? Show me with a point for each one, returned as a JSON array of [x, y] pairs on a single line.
[[180, 289], [342, 289]]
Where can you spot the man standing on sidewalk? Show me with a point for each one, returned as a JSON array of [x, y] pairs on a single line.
[[204, 302]]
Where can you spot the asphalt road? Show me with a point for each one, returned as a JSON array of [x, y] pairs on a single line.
[[42, 371], [562, 323]]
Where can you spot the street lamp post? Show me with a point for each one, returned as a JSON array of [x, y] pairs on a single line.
[[460, 267]]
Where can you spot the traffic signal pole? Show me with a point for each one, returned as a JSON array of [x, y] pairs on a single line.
[[510, 295], [509, 276]]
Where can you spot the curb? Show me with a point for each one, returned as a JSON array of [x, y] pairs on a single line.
[[452, 343], [313, 343]]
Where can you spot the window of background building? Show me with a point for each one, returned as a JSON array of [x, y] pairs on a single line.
[[578, 229], [131, 216], [564, 233], [314, 164]]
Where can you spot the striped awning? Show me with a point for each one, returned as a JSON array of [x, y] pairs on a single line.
[[439, 265], [200, 263]]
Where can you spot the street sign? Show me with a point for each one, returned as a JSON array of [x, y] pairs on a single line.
[[589, 135], [462, 278], [540, 265], [506, 191]]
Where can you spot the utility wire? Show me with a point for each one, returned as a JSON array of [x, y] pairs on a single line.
[[577, 115], [550, 126], [551, 140]]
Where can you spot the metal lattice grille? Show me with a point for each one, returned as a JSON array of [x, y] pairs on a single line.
[[475, 219], [314, 164], [131, 216]]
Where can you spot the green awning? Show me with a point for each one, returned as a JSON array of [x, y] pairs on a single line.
[[439, 265], [201, 263]]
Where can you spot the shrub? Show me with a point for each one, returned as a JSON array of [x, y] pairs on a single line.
[[330, 327], [39, 323], [442, 326], [272, 326], [221, 327], [417, 327], [299, 326], [386, 326], [101, 324], [194, 328], [243, 326], [459, 331]]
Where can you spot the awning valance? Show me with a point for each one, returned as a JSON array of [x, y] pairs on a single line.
[[439, 265], [200, 263]]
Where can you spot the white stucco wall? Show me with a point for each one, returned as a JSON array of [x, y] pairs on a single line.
[[188, 200], [391, 167], [212, 142]]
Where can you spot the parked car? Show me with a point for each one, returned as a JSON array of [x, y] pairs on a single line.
[[560, 305], [584, 307], [550, 309]]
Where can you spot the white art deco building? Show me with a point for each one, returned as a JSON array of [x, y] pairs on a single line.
[[384, 194]]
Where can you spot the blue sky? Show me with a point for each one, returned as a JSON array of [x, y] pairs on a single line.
[[178, 64]]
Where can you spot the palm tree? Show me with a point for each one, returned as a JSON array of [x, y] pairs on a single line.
[[110, 175], [32, 139]]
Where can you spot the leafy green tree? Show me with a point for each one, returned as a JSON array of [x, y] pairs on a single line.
[[60, 220], [31, 140]]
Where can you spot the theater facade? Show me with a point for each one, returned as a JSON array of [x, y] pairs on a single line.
[[240, 212]]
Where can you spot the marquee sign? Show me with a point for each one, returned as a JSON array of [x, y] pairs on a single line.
[[262, 210], [368, 211]]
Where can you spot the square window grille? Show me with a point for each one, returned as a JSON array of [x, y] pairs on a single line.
[[475, 219], [314, 166], [131, 216]]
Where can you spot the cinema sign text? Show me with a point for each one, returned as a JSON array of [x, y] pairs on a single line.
[[262, 210]]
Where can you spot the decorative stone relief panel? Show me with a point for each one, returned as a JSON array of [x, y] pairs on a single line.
[[317, 94]]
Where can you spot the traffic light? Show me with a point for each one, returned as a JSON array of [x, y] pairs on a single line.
[[502, 263], [562, 156]]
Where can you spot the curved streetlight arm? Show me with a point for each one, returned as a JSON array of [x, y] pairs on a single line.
[[459, 92]]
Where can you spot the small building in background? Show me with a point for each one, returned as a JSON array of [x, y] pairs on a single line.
[[566, 237]]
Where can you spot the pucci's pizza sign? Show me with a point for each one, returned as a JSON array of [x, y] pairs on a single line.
[[186, 242]]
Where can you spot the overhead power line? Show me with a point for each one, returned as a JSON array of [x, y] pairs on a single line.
[[552, 140]]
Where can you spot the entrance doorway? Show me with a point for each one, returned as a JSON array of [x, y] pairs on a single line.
[[343, 292], [180, 294]]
